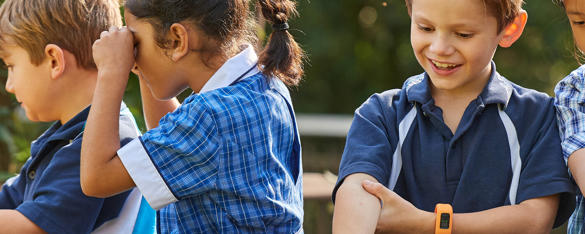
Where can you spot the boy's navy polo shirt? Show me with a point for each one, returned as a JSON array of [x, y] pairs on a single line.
[[471, 169], [48, 190]]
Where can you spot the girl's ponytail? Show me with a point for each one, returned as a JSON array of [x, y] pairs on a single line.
[[282, 56]]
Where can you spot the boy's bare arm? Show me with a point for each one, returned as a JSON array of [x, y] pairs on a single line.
[[153, 108], [531, 216], [12, 221], [356, 211]]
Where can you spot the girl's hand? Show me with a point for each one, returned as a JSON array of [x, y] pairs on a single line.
[[398, 215], [114, 51]]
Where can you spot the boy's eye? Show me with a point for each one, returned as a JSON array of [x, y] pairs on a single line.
[[578, 22], [424, 28], [464, 35]]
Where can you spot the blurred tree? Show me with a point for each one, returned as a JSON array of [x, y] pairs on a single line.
[[5, 134], [357, 48]]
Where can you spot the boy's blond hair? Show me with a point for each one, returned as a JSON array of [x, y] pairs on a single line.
[[505, 11], [72, 25]]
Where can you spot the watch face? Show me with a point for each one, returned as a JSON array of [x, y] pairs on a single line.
[[445, 217]]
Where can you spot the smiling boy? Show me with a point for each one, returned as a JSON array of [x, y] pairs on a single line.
[[457, 135]]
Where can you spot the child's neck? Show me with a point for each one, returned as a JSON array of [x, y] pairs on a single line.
[[78, 87], [198, 72], [453, 109], [454, 103]]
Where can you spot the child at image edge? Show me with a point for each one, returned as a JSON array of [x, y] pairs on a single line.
[[227, 159], [570, 103], [459, 134], [46, 46]]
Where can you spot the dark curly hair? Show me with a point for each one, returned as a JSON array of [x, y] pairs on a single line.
[[229, 23]]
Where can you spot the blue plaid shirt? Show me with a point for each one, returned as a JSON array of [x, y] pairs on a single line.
[[228, 159], [570, 103]]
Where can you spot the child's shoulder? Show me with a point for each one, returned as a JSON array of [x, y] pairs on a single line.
[[251, 93], [574, 82], [395, 97], [526, 97], [393, 104]]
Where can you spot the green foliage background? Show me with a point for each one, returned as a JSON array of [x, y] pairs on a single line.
[[357, 48], [354, 48]]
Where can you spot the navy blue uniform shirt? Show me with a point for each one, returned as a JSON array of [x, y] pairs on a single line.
[[48, 191], [505, 150]]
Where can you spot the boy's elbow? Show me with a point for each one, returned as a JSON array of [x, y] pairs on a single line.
[[546, 208], [540, 226]]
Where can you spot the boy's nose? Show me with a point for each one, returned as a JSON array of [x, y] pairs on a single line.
[[441, 46], [9, 87]]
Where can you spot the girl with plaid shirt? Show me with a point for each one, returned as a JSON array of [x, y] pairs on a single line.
[[570, 104], [228, 158]]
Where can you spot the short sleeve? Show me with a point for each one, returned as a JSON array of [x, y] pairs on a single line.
[[570, 104], [59, 205], [177, 159], [544, 172], [13, 190], [371, 140]]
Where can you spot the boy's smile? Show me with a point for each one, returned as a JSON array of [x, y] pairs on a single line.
[[454, 41], [444, 68]]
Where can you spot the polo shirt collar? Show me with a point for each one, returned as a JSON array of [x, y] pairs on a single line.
[[68, 130], [232, 69], [497, 91], [72, 128]]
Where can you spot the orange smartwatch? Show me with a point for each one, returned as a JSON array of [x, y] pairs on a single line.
[[444, 218]]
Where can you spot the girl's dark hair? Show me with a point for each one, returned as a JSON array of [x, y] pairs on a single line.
[[228, 23]]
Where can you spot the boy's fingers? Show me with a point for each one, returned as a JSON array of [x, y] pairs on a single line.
[[375, 189]]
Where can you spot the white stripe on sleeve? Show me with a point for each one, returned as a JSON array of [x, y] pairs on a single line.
[[145, 175]]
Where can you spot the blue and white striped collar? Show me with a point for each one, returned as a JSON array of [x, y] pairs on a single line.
[[232, 69]]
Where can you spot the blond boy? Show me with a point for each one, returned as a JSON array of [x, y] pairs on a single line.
[[458, 139], [46, 46]]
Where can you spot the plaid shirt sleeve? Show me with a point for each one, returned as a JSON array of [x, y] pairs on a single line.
[[189, 131], [570, 104], [177, 159]]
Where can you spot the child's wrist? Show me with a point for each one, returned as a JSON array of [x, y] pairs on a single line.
[[111, 71], [112, 80], [425, 222], [115, 76]]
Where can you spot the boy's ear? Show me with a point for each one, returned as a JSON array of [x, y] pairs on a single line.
[[56, 57], [180, 41], [514, 30]]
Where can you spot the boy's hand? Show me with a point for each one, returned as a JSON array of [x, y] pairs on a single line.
[[114, 51], [399, 215]]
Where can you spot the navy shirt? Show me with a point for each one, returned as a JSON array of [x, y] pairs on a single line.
[[505, 150], [48, 192]]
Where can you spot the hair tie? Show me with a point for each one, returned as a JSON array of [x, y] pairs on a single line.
[[280, 27]]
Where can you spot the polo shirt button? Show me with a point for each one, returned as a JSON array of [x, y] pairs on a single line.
[[31, 175]]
